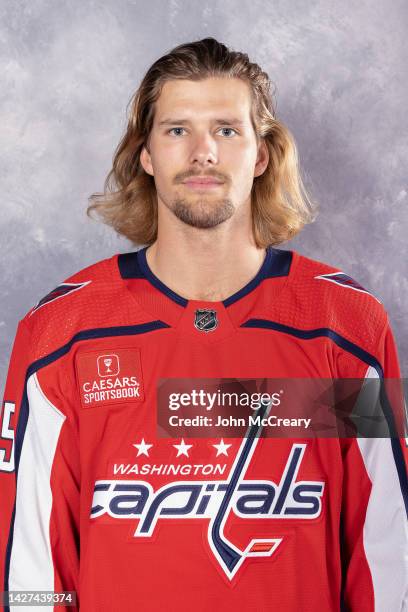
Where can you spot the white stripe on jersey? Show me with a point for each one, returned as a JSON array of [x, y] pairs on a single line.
[[385, 533], [31, 564]]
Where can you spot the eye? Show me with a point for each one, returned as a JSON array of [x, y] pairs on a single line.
[[176, 128], [228, 128], [181, 128]]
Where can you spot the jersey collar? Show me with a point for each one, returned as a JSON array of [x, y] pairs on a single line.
[[134, 265]]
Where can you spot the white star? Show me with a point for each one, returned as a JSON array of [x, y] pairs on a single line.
[[222, 448], [142, 448], [182, 448]]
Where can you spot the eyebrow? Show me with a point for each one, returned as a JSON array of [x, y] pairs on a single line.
[[170, 121]]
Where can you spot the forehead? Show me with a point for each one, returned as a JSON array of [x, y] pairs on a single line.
[[206, 98]]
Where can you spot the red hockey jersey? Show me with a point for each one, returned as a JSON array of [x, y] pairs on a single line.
[[94, 500]]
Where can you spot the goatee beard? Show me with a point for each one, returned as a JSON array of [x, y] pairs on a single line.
[[197, 215]]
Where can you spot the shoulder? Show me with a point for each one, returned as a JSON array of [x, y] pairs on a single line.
[[75, 289], [321, 295], [79, 301]]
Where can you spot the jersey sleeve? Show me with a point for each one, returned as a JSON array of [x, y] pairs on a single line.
[[39, 479], [374, 527]]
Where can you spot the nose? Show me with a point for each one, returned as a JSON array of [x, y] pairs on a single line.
[[204, 150]]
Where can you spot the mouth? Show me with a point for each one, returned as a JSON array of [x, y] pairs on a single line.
[[202, 184]]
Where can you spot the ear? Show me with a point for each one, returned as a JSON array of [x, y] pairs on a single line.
[[262, 159], [146, 160]]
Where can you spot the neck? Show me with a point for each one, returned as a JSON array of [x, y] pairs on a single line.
[[211, 271]]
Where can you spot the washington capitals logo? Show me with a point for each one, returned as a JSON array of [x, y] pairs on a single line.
[[58, 292], [346, 281], [216, 500]]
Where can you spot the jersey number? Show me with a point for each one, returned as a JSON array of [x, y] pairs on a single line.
[[7, 433]]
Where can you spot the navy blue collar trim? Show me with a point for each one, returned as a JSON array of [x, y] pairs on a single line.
[[277, 262]]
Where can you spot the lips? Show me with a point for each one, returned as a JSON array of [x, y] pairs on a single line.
[[202, 181], [197, 186]]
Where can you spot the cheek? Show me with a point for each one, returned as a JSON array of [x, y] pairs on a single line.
[[242, 164], [240, 157], [171, 146], [162, 165], [243, 179]]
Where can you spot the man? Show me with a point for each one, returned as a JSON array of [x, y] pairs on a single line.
[[96, 498]]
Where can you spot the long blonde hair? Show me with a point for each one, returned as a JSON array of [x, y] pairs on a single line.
[[280, 203]]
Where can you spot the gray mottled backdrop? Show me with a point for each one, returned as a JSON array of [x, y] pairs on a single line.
[[69, 69]]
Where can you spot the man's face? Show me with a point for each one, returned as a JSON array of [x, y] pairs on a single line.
[[203, 129]]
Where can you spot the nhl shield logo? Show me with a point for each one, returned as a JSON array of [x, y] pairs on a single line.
[[205, 319]]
